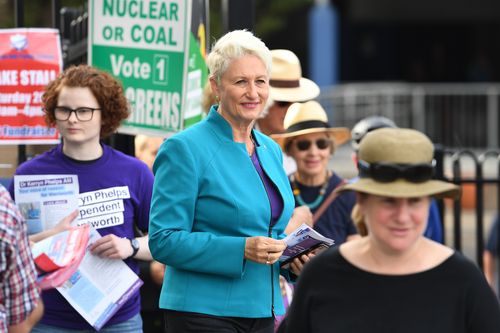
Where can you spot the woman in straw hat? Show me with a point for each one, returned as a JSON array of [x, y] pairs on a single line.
[[286, 86], [311, 142], [221, 201], [434, 229], [394, 279]]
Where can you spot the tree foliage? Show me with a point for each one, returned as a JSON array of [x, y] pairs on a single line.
[[37, 13], [271, 16]]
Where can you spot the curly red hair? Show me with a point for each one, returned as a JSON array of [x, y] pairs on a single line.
[[107, 90]]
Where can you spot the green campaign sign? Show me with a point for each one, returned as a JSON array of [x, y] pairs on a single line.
[[149, 46]]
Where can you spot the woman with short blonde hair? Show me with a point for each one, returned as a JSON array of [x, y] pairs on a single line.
[[221, 202]]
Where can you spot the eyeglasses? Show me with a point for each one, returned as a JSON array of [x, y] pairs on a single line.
[[82, 114], [304, 145], [282, 104], [388, 172]]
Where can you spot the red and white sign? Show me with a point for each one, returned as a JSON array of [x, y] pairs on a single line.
[[29, 59]]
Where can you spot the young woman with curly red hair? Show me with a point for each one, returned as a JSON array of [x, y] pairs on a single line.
[[87, 105]]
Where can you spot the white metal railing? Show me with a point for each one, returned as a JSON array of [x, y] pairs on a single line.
[[455, 115]]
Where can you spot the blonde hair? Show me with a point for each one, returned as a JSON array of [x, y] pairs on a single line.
[[359, 220], [146, 148], [140, 142], [234, 45]]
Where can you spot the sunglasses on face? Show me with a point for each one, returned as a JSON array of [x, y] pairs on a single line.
[[283, 104], [388, 172], [304, 145]]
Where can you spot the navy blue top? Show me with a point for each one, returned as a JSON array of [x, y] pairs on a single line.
[[492, 244], [434, 229], [335, 222]]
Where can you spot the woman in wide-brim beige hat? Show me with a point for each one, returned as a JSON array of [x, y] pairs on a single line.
[[381, 178], [311, 142], [401, 276], [399, 163], [309, 117]]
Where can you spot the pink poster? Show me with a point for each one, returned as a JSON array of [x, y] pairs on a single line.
[[29, 59]]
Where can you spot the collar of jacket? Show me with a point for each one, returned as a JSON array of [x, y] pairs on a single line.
[[223, 126]]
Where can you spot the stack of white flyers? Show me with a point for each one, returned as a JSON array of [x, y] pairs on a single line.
[[303, 240]]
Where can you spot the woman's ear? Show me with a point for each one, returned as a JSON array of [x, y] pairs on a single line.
[[215, 87]]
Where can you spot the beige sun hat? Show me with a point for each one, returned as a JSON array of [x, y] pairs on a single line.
[[404, 147], [309, 117], [287, 83]]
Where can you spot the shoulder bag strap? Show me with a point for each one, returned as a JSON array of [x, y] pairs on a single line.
[[333, 195]]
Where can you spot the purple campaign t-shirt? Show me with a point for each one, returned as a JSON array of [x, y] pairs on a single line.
[[274, 197], [115, 195]]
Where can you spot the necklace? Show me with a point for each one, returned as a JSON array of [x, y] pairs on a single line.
[[319, 198]]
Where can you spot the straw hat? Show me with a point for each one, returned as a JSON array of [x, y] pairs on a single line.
[[309, 117], [287, 83], [401, 146]]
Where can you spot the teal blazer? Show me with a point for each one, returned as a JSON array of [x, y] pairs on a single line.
[[207, 199]]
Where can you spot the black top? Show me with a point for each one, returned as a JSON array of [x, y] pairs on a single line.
[[332, 295]]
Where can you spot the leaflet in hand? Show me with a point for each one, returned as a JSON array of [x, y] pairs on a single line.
[[100, 286], [45, 199], [303, 240], [57, 257]]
